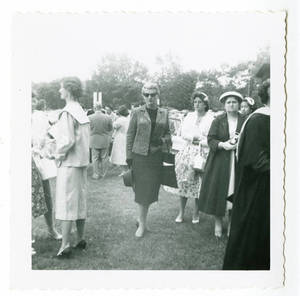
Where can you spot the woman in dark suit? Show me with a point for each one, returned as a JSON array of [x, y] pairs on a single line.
[[218, 179], [148, 136]]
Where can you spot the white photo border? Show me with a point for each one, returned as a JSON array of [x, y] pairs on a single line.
[[22, 276]]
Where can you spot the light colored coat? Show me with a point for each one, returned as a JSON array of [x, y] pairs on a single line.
[[118, 153], [72, 137]]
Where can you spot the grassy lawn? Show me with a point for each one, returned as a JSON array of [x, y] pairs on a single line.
[[110, 229]]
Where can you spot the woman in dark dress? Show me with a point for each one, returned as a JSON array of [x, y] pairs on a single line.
[[218, 180], [148, 136], [249, 241]]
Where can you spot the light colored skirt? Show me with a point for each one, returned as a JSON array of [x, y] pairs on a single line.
[[71, 193], [118, 153]]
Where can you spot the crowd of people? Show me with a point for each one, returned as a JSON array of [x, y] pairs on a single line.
[[222, 164]]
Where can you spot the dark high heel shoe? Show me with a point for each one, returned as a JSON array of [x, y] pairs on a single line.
[[81, 245], [64, 254]]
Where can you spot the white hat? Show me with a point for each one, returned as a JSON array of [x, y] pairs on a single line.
[[230, 94], [249, 100]]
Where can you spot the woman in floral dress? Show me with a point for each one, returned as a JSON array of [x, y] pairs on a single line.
[[39, 207], [194, 131]]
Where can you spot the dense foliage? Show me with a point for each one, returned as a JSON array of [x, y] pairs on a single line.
[[120, 79]]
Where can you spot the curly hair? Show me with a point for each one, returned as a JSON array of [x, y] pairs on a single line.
[[202, 96], [263, 91], [73, 86]]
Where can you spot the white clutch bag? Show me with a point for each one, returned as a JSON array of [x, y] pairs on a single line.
[[199, 163], [46, 167]]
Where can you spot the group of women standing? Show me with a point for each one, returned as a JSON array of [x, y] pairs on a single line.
[[148, 140], [216, 140]]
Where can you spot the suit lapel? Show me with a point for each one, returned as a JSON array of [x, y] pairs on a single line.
[[144, 111]]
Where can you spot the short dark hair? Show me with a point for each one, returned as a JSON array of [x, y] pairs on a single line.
[[73, 86], [123, 111], [252, 107], [263, 91], [202, 97]]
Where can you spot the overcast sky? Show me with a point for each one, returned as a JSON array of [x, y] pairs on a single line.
[[58, 46]]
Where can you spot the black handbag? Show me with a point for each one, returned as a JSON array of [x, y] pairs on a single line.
[[169, 176], [168, 157], [168, 169]]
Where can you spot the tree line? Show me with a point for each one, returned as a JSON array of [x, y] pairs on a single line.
[[120, 80]]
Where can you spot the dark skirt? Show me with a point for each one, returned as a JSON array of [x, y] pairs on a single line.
[[147, 172]]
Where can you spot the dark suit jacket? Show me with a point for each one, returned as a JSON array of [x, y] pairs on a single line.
[[101, 127], [139, 132]]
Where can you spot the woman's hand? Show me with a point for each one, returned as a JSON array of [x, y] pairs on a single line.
[[227, 146]]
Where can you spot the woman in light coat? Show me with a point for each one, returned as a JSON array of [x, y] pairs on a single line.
[[120, 125], [72, 155]]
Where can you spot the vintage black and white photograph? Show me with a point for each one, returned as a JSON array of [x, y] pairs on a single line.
[[155, 142]]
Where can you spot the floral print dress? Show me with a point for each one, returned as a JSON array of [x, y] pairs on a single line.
[[38, 204], [189, 182]]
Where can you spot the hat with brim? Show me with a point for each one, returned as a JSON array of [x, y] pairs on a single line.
[[128, 178], [234, 94]]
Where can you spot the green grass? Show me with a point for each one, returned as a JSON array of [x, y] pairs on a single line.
[[110, 229]]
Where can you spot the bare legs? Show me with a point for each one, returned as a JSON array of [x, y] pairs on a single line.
[[143, 212], [66, 227], [196, 212], [218, 226], [182, 204], [80, 228]]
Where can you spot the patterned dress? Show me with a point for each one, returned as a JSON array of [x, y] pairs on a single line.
[[189, 182], [38, 204]]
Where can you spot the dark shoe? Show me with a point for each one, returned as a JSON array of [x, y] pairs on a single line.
[[81, 245], [65, 254]]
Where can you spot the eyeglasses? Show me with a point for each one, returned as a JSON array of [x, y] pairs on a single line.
[[149, 95]]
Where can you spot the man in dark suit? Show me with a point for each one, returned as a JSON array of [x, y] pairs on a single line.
[[101, 127]]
